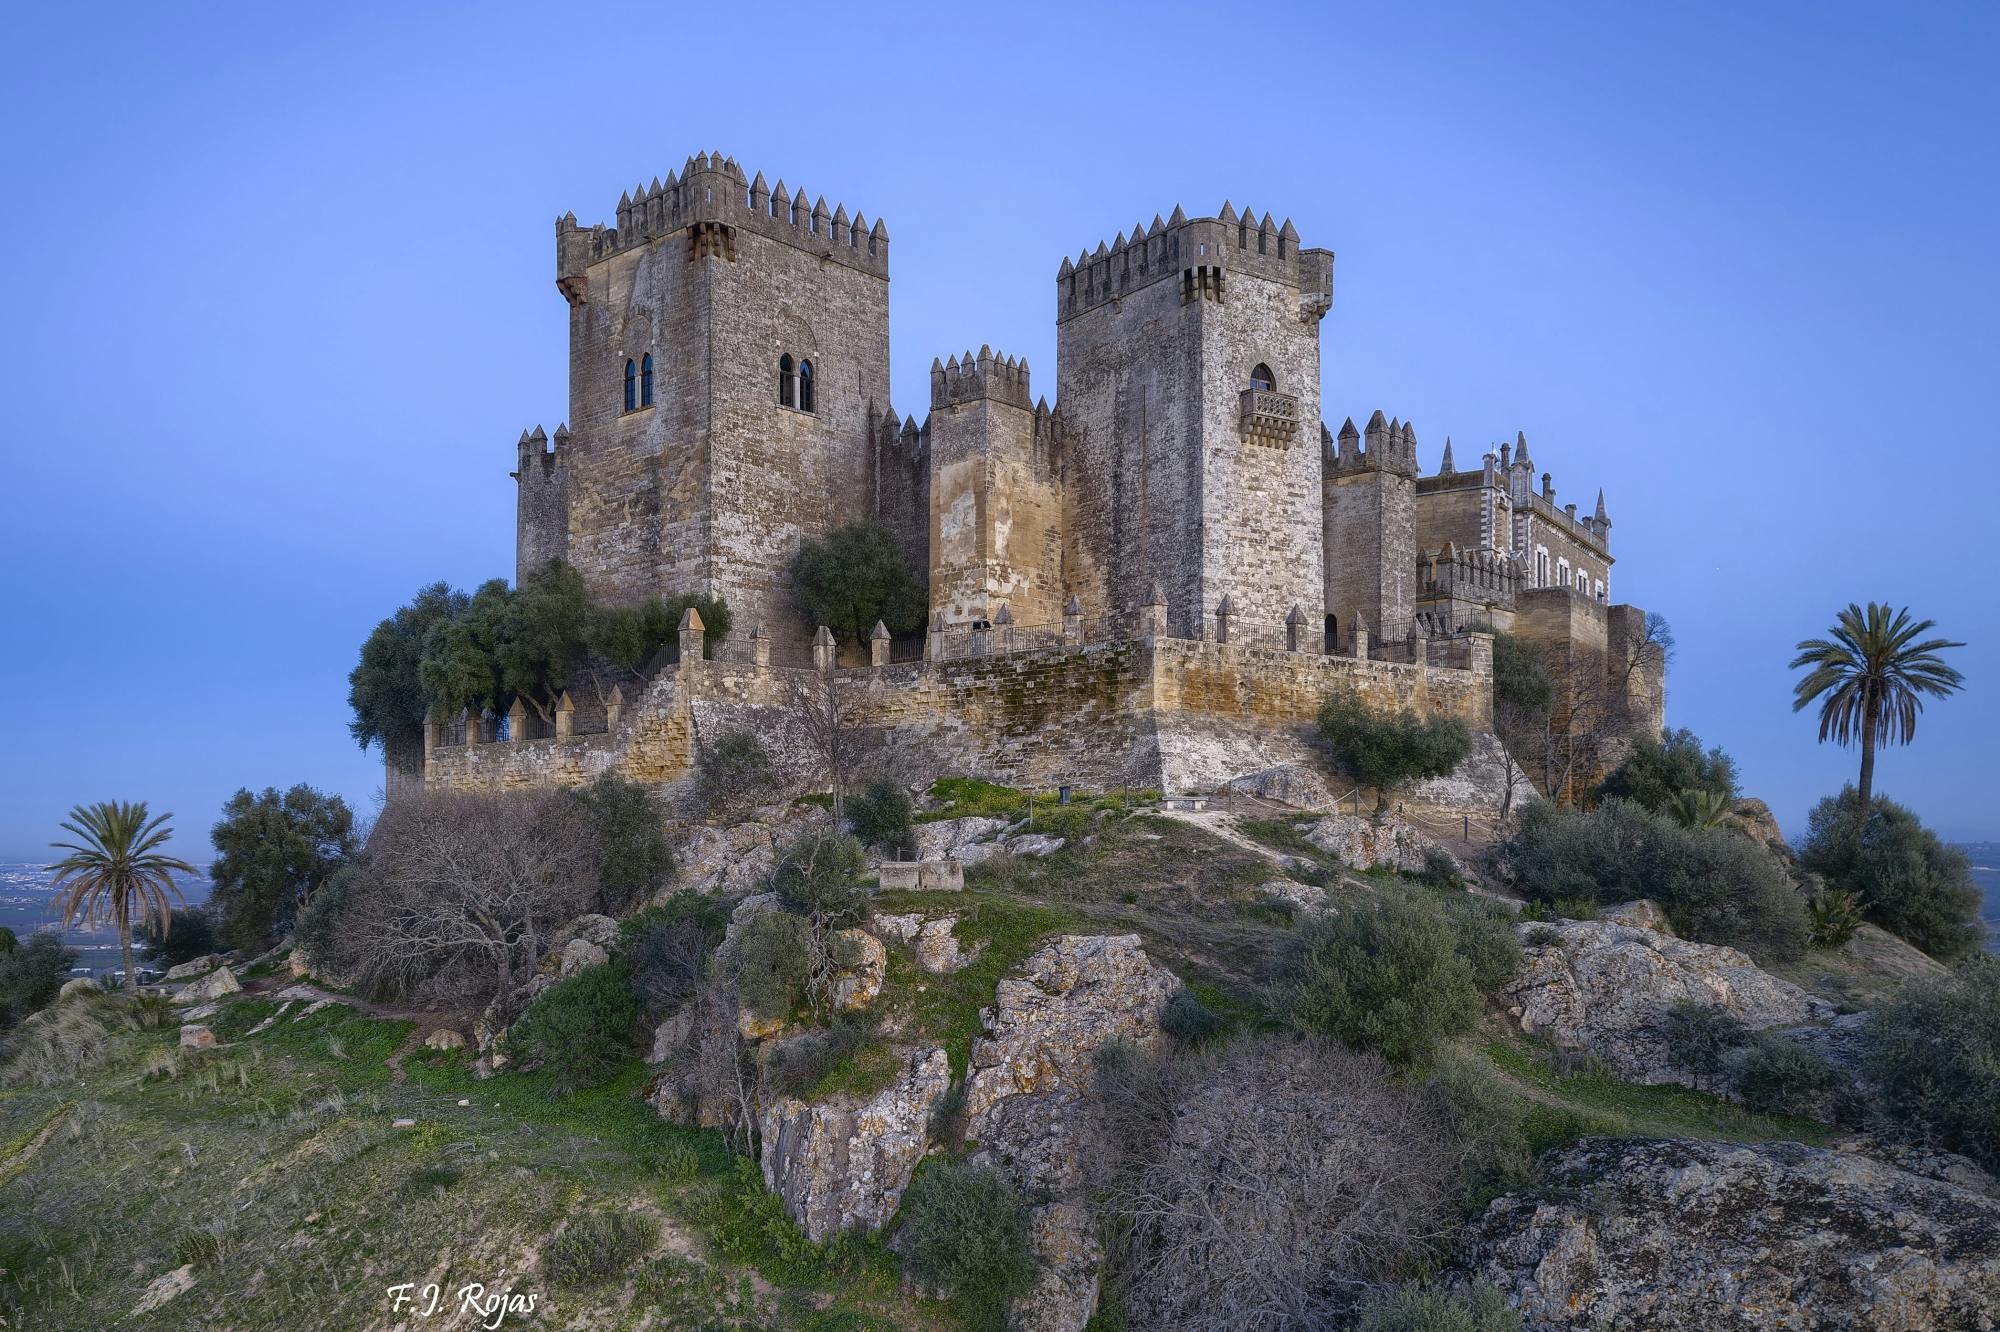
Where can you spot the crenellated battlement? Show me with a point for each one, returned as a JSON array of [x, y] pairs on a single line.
[[1452, 572], [706, 199], [1386, 446], [987, 375], [1201, 253], [537, 456]]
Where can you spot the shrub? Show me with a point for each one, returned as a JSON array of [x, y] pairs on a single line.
[[798, 1065], [965, 1232], [772, 965], [1427, 1309], [882, 816], [1934, 1053], [733, 772], [1440, 870], [1909, 882], [596, 1246], [1387, 976], [634, 857], [819, 876], [666, 949], [31, 974], [190, 934], [1255, 1183], [856, 575], [1703, 1036], [579, 1030], [1188, 1020], [1833, 916], [1486, 940], [1489, 1131], [1386, 751], [1657, 772], [1716, 886], [1777, 1075]]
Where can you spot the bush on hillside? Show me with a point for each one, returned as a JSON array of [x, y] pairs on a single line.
[[734, 772], [31, 974], [635, 860], [1703, 1037], [1934, 1053], [1777, 1075], [1833, 917], [1258, 1182], [1387, 751], [190, 934], [454, 895], [1395, 976], [1418, 1308], [772, 965], [666, 949], [798, 1065], [1909, 882], [1657, 772], [882, 816], [1716, 886], [965, 1232], [597, 1246], [1190, 1021], [578, 1030]]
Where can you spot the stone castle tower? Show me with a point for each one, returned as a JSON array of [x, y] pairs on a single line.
[[729, 369], [1188, 378]]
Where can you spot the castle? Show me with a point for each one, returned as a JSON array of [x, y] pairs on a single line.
[[729, 398]]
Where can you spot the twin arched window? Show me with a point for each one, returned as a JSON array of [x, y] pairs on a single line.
[[795, 383], [638, 382], [1262, 378]]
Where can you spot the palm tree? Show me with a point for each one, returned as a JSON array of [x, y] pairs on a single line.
[[1868, 677], [115, 869]]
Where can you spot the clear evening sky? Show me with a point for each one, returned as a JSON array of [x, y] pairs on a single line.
[[282, 300]]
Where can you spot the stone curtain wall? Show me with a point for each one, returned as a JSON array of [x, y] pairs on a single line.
[[1149, 712]]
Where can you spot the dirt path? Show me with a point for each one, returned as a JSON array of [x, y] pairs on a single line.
[[424, 1021]]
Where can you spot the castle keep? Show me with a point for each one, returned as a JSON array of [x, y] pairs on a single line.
[[729, 398]]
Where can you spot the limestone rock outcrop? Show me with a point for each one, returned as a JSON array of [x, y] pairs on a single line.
[[931, 939], [863, 964], [842, 1164], [947, 837], [1605, 988], [217, 983], [1293, 784], [1030, 1072], [1362, 843], [1687, 1236]]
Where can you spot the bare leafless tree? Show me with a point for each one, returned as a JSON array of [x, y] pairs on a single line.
[[1267, 1183], [822, 712], [457, 894]]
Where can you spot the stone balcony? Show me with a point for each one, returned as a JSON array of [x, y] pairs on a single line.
[[1269, 417]]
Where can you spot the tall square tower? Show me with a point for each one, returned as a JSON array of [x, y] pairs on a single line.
[[1188, 380]]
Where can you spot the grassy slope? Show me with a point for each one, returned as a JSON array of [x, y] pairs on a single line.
[[270, 1163]]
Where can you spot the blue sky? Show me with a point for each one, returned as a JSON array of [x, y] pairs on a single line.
[[283, 300]]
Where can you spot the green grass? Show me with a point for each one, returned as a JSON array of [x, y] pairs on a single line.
[[1588, 1104], [1284, 835], [965, 798]]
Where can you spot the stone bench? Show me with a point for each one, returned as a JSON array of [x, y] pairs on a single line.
[[946, 875]]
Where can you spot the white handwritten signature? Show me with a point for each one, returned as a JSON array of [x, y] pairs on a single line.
[[489, 1307]]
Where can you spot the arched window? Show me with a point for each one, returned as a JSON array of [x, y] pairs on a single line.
[[805, 386], [646, 381], [1262, 378], [787, 385], [631, 384]]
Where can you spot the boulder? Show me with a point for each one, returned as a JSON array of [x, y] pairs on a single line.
[[580, 955], [1605, 988], [1362, 843], [1024, 1099], [1302, 896], [863, 964], [81, 985], [946, 837], [672, 1035], [197, 1037], [444, 1038], [932, 940], [1292, 784], [842, 1164], [1687, 1236], [1643, 914], [1754, 817], [217, 983], [725, 861], [199, 966]]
